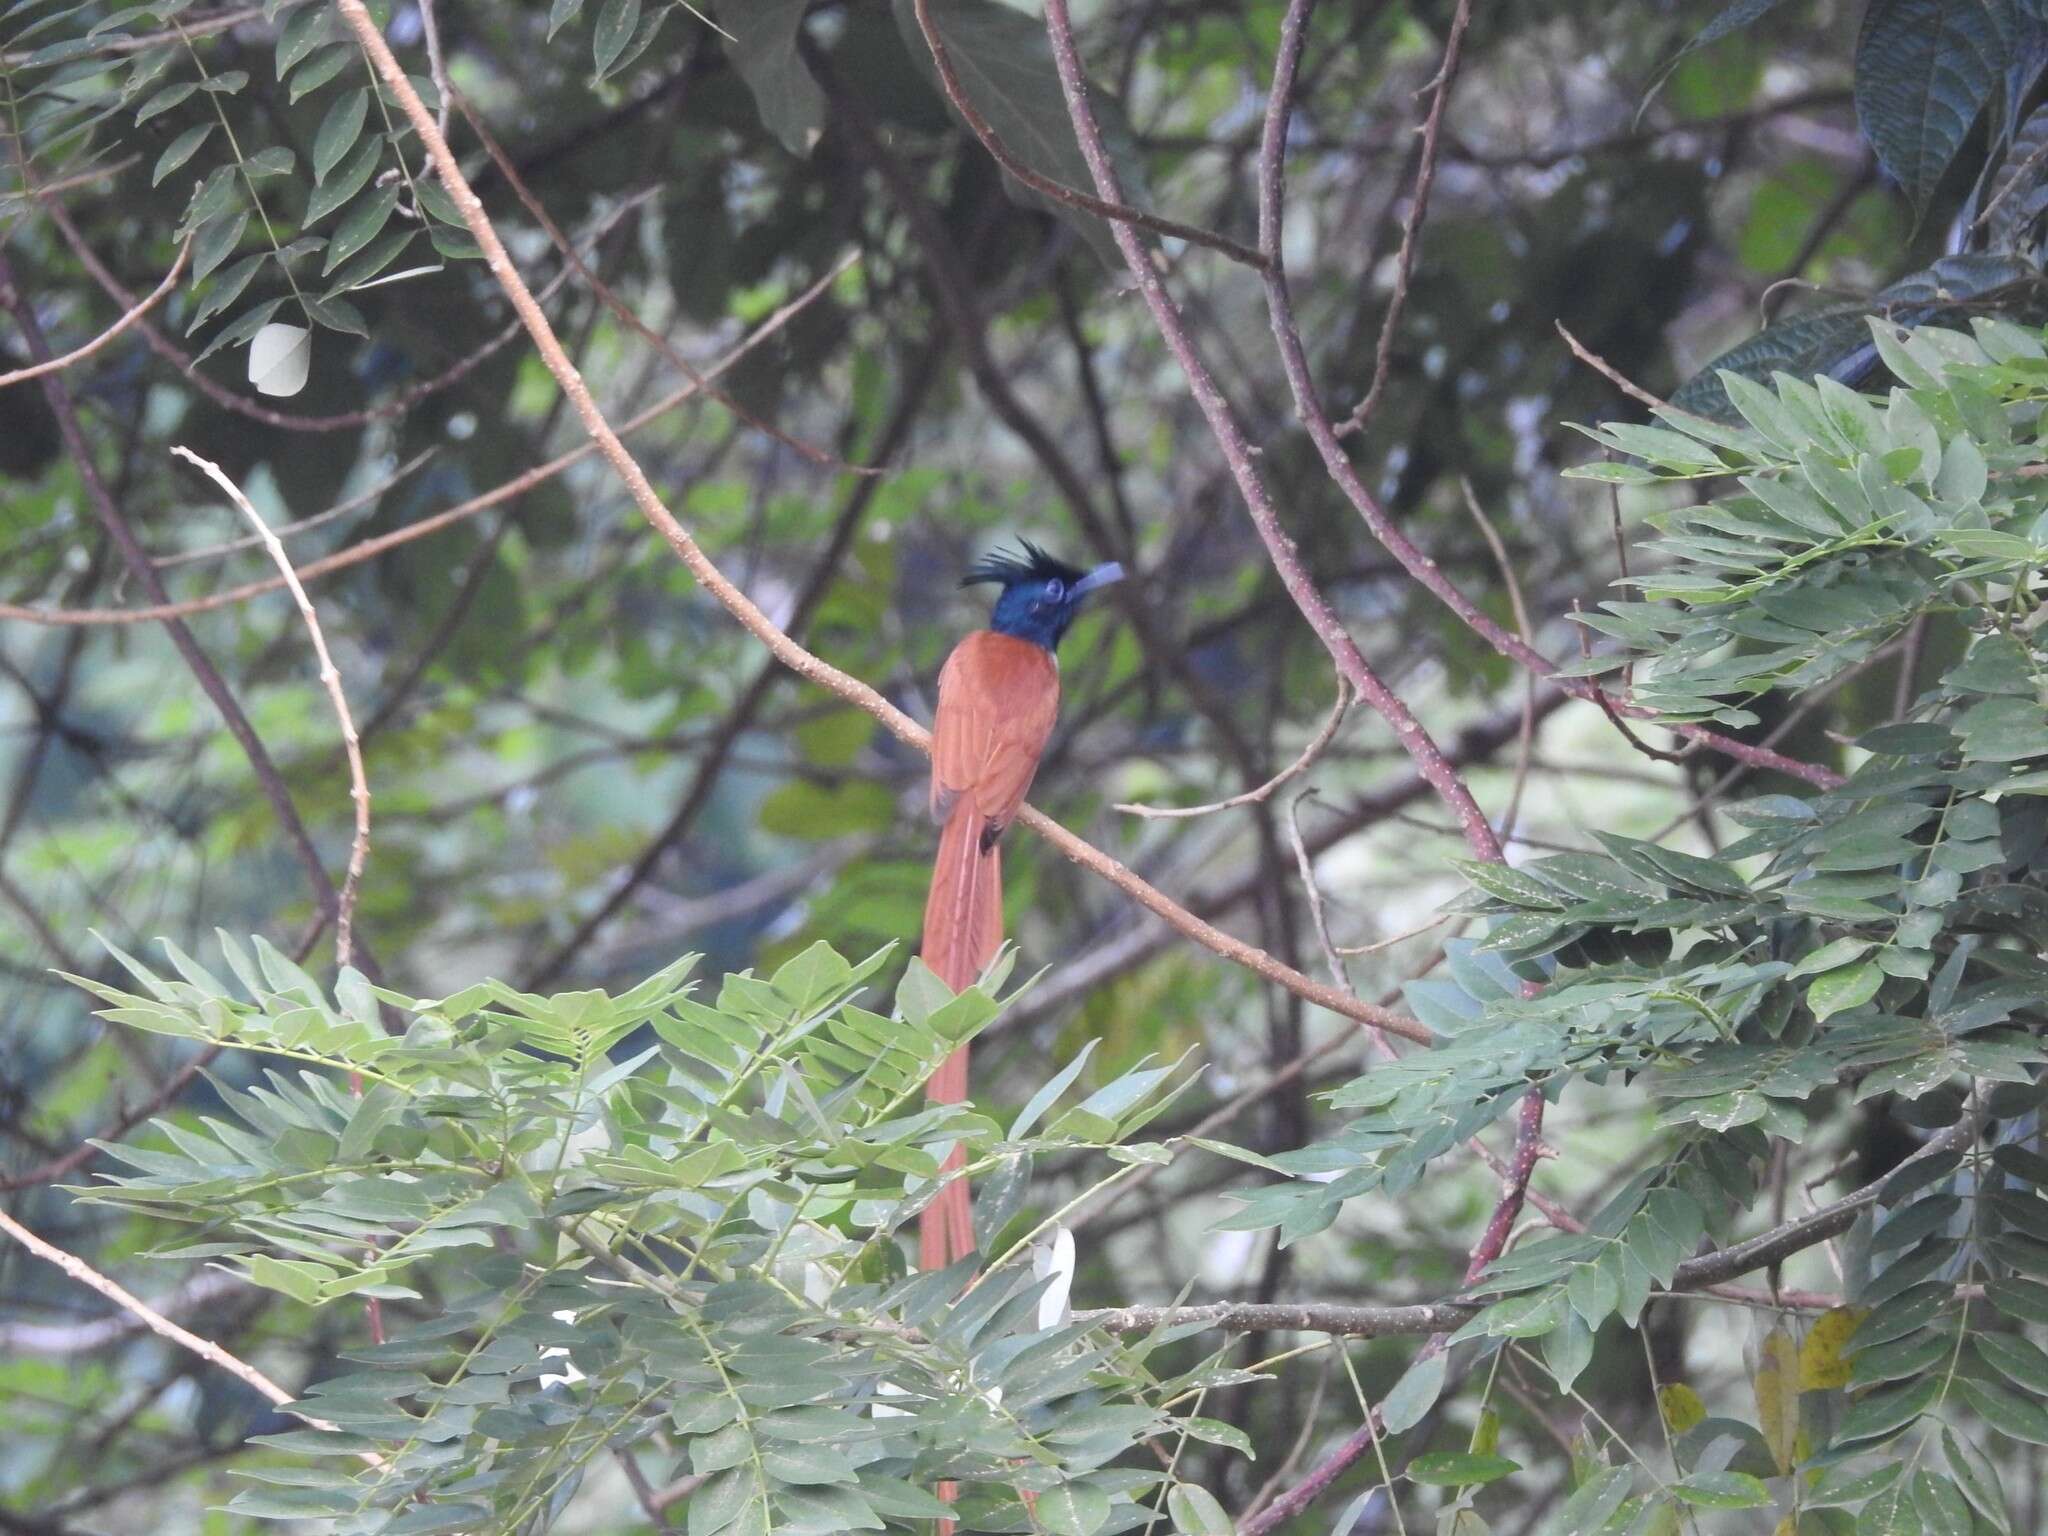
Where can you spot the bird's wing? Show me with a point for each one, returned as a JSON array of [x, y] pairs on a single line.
[[998, 696]]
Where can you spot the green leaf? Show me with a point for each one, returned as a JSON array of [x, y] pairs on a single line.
[[1005, 67], [1924, 71], [351, 179], [1073, 1509], [762, 41], [2012, 1415], [1048, 1095], [2015, 1358], [1976, 1476], [616, 24], [1942, 1509], [1886, 1411], [1850, 986], [1722, 1490], [178, 151], [1459, 1469], [339, 131], [363, 224], [1587, 1511], [1195, 1512], [561, 13], [1415, 1393], [216, 242]]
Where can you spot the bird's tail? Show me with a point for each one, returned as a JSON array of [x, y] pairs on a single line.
[[963, 929]]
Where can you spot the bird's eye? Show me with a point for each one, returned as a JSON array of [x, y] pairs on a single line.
[[1055, 590]]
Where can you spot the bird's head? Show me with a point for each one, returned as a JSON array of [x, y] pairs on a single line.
[[1040, 595]]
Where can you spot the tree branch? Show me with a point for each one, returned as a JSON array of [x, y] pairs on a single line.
[[79, 354], [330, 679], [1115, 210], [787, 651], [1237, 452], [137, 560]]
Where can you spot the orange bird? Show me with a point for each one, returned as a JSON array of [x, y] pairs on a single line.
[[998, 695]]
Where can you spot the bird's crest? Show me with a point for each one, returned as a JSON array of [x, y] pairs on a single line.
[[1028, 563]]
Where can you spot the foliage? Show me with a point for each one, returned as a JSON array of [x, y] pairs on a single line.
[[569, 1210], [1882, 936], [688, 1246], [1927, 73]]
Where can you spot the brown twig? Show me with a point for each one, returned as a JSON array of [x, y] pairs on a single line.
[[1299, 766], [1525, 744], [137, 561], [1614, 375], [624, 311], [1237, 452], [370, 549], [1113, 209], [1418, 210], [794, 656], [739, 718], [1305, 867], [302, 525], [330, 679], [135, 313], [341, 421], [160, 1325]]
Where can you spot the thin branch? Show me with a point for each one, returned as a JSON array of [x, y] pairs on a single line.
[[370, 549], [202, 1289], [123, 1122], [1113, 209], [289, 421], [158, 1324], [1418, 210], [711, 761], [1299, 766], [137, 561], [1133, 947], [330, 679], [1514, 1186], [792, 655], [198, 26], [1305, 866], [1238, 453], [135, 313], [624, 311], [302, 525], [1526, 743], [1614, 375]]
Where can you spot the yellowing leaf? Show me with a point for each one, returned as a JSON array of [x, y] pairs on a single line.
[[1681, 1407], [1485, 1434], [1820, 1358], [1777, 1395]]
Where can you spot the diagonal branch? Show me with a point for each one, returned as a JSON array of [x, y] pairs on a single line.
[[137, 560], [1238, 453], [792, 655], [135, 312], [370, 549], [330, 679], [1113, 209], [1411, 227], [155, 1321]]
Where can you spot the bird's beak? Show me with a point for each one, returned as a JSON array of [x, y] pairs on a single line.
[[1101, 576]]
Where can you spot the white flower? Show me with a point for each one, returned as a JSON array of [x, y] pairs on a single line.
[[1055, 1257]]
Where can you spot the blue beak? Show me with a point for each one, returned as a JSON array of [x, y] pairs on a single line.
[[1101, 576]]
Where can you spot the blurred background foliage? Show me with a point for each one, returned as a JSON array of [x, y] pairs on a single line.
[[581, 768]]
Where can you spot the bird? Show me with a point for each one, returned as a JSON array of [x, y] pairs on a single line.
[[999, 693]]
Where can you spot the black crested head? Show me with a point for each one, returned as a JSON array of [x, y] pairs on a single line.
[[1003, 568], [1040, 595]]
